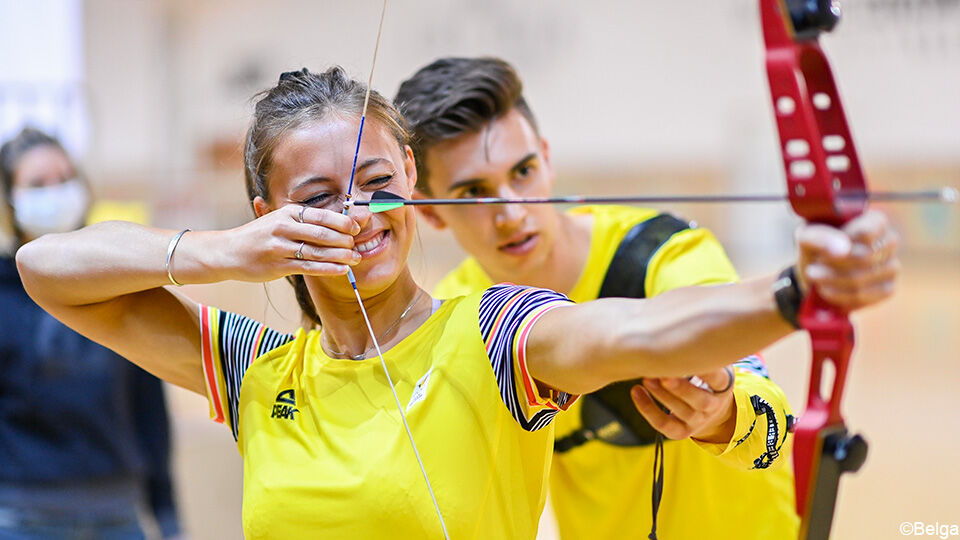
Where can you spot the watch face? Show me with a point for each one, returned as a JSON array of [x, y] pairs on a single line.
[[788, 297]]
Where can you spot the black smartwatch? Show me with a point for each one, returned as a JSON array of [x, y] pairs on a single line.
[[786, 291]]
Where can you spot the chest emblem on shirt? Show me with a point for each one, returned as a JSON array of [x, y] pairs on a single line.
[[286, 405], [420, 390]]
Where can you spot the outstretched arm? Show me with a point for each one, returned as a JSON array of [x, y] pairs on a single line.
[[581, 348]]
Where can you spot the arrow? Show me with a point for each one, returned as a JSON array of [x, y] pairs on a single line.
[[383, 201]]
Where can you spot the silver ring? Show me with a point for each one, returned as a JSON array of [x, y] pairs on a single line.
[[299, 253], [300, 218], [729, 385]]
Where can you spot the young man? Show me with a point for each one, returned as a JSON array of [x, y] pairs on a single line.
[[475, 136]]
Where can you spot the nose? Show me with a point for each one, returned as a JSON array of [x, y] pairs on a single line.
[[360, 214], [510, 216]]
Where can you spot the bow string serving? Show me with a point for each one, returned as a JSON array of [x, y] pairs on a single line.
[[356, 292]]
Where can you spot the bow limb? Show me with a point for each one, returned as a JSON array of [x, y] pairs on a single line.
[[821, 164]]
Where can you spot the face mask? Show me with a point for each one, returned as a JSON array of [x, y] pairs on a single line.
[[50, 209]]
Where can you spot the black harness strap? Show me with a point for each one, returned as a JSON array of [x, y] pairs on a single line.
[[628, 270], [609, 413], [625, 278]]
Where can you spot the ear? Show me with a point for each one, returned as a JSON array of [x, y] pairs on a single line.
[[410, 168], [428, 212], [545, 152], [260, 206]]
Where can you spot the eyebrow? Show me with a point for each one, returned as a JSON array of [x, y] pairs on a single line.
[[312, 180], [473, 181], [371, 162]]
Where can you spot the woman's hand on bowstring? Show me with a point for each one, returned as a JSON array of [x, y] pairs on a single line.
[[706, 411], [293, 239]]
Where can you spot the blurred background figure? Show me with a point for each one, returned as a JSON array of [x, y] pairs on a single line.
[[84, 434]]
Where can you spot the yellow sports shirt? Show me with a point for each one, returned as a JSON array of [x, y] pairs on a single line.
[[710, 491], [325, 452]]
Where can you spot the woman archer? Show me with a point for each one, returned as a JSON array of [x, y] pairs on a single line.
[[477, 377]]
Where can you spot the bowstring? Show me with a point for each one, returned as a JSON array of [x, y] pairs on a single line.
[[356, 292]]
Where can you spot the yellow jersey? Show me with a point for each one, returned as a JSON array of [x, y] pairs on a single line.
[[711, 491], [325, 452]]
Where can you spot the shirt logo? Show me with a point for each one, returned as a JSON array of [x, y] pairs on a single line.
[[285, 407], [420, 390]]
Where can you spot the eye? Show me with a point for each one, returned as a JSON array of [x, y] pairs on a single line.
[[526, 170], [379, 181], [472, 192], [319, 199]]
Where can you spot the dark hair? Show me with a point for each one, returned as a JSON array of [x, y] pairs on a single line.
[[10, 154], [298, 98], [453, 96]]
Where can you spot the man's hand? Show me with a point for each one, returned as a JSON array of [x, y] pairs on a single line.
[[706, 414]]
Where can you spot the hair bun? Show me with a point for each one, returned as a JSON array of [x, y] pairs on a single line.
[[293, 75]]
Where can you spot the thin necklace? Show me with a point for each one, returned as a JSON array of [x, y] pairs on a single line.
[[333, 353]]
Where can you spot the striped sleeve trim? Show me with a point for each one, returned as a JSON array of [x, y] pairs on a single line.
[[753, 364], [520, 353], [507, 313], [229, 344], [212, 373]]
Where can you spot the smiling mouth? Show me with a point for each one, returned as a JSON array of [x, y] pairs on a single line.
[[371, 244]]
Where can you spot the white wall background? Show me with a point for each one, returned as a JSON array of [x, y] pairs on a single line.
[[41, 69], [621, 88], [616, 84]]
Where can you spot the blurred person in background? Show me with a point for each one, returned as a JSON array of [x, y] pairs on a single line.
[[84, 434], [475, 136]]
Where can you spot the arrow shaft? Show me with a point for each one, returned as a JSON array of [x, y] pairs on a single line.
[[935, 195]]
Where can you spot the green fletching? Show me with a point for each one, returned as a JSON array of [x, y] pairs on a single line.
[[377, 207]]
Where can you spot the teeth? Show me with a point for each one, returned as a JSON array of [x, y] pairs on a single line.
[[367, 246]]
